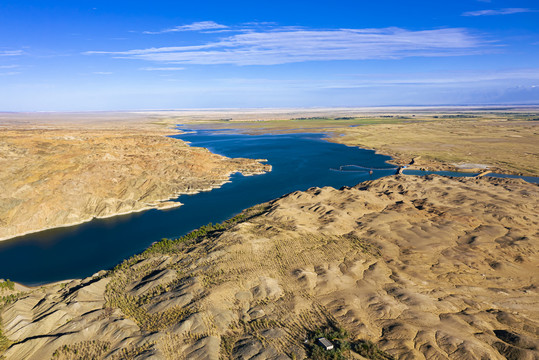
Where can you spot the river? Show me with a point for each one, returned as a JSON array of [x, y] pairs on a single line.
[[300, 161]]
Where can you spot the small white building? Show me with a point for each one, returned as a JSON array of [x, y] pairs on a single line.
[[325, 343]]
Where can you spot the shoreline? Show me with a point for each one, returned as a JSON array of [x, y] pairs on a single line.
[[169, 201], [333, 136], [164, 204]]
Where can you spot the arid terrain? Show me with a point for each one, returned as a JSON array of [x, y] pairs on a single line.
[[504, 145], [64, 169], [504, 140], [402, 267]]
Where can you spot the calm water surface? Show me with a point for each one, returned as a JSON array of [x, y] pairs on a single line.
[[299, 161]]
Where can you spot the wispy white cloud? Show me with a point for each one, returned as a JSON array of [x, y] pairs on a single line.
[[393, 83], [162, 68], [455, 78], [9, 73], [102, 73], [8, 66], [11, 52], [506, 11], [197, 26], [289, 45]]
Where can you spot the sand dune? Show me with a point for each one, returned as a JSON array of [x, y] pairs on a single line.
[[432, 268]]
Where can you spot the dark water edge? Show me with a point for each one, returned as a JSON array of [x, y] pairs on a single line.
[[299, 161]]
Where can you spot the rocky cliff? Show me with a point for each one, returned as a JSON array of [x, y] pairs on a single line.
[[402, 267]]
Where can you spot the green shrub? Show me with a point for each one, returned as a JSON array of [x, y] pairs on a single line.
[[8, 284], [167, 246], [370, 350], [4, 343]]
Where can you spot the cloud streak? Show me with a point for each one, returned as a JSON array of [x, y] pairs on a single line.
[[506, 11], [162, 68], [197, 26], [292, 45], [11, 52], [454, 78]]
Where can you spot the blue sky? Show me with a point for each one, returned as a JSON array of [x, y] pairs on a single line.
[[128, 55]]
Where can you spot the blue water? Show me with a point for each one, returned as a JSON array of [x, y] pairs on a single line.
[[299, 161]]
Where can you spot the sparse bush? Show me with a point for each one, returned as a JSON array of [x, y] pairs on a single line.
[[8, 284], [4, 343], [370, 350], [167, 246], [8, 299], [94, 349]]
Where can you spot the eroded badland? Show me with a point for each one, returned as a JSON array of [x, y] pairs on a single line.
[[57, 173]]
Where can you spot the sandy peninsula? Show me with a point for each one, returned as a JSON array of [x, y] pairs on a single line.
[[64, 169], [402, 267]]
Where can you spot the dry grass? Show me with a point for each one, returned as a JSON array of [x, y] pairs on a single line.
[[507, 145], [507, 141], [85, 350]]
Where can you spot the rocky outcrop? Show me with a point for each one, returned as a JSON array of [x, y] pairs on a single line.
[[402, 267], [59, 176]]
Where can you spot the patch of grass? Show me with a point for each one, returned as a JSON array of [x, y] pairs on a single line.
[[364, 245], [134, 306], [213, 278], [9, 299], [343, 346], [168, 246], [132, 352], [5, 343], [227, 345], [370, 350], [96, 349], [7, 284], [85, 350]]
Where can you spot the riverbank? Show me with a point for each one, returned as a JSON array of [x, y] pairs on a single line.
[[502, 145], [502, 140], [57, 172]]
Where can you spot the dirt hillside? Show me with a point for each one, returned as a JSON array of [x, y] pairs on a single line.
[[58, 175]]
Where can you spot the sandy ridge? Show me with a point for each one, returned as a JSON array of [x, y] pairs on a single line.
[[425, 268]]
